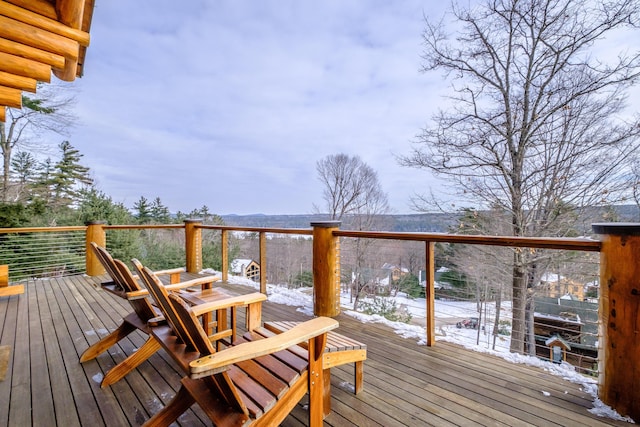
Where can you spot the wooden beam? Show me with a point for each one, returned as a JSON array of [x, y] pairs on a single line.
[[10, 97], [41, 7], [38, 38], [25, 67], [19, 49], [69, 72], [70, 12], [48, 24], [3, 113], [17, 82]]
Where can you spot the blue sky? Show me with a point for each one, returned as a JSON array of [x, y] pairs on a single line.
[[232, 103]]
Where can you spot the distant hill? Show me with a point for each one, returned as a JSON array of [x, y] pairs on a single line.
[[429, 222], [426, 222]]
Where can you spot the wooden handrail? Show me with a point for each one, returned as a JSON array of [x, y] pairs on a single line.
[[142, 226], [587, 245], [302, 231], [41, 229]]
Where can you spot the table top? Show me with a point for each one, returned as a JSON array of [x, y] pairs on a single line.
[[205, 295]]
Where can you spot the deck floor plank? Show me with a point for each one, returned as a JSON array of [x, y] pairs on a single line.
[[8, 316], [55, 320], [60, 389], [82, 322], [84, 400], [20, 406]]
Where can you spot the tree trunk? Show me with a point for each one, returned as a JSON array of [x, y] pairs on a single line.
[[6, 156], [519, 287], [531, 338], [496, 322]]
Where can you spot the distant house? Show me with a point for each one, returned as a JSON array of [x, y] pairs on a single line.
[[556, 286], [246, 268], [393, 272]]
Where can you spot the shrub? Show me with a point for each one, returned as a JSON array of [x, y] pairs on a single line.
[[385, 307]]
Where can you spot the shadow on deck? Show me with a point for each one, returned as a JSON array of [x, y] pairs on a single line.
[[405, 384]]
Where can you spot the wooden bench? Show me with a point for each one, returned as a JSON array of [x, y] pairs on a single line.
[[5, 289], [338, 351]]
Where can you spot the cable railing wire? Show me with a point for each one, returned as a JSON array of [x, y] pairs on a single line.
[[39, 255]]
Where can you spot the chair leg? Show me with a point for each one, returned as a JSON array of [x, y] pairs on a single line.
[[98, 348], [178, 405], [359, 372], [316, 381], [326, 404], [130, 363]]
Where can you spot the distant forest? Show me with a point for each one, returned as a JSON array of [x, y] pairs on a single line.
[[426, 222]]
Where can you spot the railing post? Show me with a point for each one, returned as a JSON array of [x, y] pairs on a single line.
[[326, 269], [224, 243], [263, 262], [430, 293], [193, 245], [619, 313], [95, 233]]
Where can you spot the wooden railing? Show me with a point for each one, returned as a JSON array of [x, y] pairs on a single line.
[[619, 300]]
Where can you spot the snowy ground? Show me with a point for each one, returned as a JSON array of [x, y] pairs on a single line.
[[447, 314]]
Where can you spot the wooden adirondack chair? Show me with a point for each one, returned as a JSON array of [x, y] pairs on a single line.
[[258, 381], [144, 316]]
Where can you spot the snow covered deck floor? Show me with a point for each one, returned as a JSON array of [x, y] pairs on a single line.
[[50, 325]]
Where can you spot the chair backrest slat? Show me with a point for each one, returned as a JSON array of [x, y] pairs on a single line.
[[122, 277], [200, 341], [196, 335], [161, 297], [188, 328]]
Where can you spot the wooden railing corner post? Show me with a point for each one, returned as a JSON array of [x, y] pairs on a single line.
[[95, 233], [193, 245], [430, 293], [619, 342], [326, 268]]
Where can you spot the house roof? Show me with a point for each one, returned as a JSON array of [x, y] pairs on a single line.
[[556, 339], [39, 38], [239, 263]]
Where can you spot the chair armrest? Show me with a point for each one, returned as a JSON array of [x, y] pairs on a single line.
[[220, 361], [170, 271], [156, 321], [133, 295], [234, 301], [164, 272], [143, 293], [193, 282]]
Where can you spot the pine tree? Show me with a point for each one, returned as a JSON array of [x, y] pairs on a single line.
[[143, 210], [159, 212], [24, 168], [68, 177]]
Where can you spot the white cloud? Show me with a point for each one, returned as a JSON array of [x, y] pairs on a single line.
[[191, 101]]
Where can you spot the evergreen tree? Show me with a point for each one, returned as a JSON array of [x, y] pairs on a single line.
[[43, 186], [47, 111], [142, 210], [94, 205], [68, 177], [24, 168], [159, 212]]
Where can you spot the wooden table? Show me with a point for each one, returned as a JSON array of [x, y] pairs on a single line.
[[252, 301]]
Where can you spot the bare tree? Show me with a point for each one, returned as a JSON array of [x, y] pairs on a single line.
[[353, 194], [536, 123], [48, 111]]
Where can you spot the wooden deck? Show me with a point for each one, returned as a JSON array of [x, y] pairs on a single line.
[[50, 325]]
